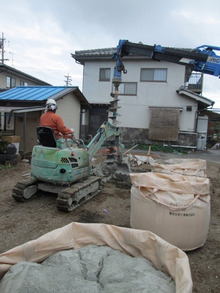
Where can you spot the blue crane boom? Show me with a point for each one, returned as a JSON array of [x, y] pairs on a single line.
[[202, 59]]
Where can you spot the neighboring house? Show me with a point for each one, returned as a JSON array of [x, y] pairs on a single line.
[[159, 101], [214, 126], [11, 77], [21, 108]]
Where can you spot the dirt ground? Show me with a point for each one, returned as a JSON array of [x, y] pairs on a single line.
[[21, 222]]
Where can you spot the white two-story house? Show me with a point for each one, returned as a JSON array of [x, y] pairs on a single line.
[[158, 102]]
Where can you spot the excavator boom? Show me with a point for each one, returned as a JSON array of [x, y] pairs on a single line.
[[202, 59]]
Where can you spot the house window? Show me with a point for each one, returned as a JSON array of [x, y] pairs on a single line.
[[104, 74], [154, 74], [128, 88], [23, 83], [188, 108], [10, 82]]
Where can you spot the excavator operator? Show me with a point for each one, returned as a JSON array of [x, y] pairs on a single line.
[[53, 120]]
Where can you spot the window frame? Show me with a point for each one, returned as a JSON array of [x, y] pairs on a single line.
[[124, 92], [10, 82], [153, 71], [23, 83], [105, 69]]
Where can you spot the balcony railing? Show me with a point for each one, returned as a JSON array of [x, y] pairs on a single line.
[[194, 82]]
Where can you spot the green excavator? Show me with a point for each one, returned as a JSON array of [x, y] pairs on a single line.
[[64, 167]]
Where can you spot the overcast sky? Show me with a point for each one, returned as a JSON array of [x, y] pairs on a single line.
[[41, 34]]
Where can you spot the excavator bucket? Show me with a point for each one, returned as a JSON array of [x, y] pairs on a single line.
[[123, 166], [115, 171]]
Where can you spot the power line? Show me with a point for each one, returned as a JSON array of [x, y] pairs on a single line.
[[12, 55]]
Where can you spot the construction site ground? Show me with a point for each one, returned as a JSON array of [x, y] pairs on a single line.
[[21, 222]]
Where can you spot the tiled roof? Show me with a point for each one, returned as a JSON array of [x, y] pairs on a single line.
[[82, 56], [107, 53], [96, 52], [110, 51], [34, 93]]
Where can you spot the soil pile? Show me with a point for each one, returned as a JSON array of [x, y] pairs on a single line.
[[88, 269]]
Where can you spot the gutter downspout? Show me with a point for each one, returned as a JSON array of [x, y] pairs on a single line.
[[196, 121]]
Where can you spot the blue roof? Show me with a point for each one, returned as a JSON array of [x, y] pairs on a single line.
[[34, 93]]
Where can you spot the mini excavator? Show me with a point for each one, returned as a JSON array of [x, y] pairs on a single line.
[[64, 167]]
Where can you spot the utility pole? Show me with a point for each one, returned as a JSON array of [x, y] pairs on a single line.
[[68, 79], [2, 41]]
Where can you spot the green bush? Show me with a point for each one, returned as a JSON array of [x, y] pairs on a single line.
[[3, 146]]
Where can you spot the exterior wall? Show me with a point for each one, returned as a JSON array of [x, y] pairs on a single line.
[[188, 118], [134, 111], [70, 111], [93, 90], [18, 78], [2, 80]]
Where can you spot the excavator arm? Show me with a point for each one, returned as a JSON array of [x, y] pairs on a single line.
[[105, 131], [202, 59]]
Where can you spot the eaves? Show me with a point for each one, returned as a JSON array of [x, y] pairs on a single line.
[[82, 57], [12, 70], [203, 102]]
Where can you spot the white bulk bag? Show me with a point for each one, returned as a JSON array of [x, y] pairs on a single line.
[[189, 167], [175, 207]]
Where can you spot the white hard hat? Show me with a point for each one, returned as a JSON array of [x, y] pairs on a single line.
[[51, 104], [51, 101]]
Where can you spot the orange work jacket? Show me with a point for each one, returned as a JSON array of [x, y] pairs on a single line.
[[51, 119]]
